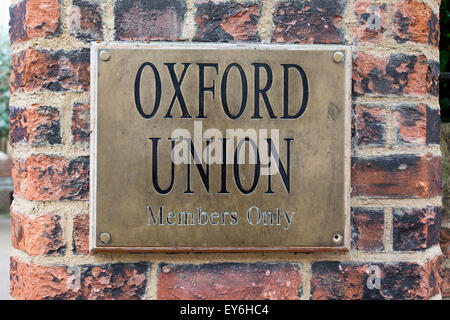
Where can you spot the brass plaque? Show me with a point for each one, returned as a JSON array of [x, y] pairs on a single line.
[[199, 147]]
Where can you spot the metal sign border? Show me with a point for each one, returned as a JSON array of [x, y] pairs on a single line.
[[95, 49]]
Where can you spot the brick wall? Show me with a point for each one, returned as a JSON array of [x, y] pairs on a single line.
[[396, 159]]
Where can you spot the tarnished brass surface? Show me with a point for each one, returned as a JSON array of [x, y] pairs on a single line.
[[122, 148]]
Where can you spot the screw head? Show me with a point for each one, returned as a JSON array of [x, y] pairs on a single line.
[[338, 57], [337, 238], [105, 55], [105, 237]]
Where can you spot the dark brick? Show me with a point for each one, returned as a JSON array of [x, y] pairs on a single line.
[[143, 20], [51, 177], [333, 280], [81, 233], [398, 74], [314, 21], [36, 125], [120, 281], [230, 281], [410, 123], [445, 283], [433, 126], [415, 21], [397, 176], [367, 229], [371, 18], [418, 124], [416, 229], [229, 21], [31, 19], [369, 125], [32, 70], [87, 20], [81, 124], [444, 238]]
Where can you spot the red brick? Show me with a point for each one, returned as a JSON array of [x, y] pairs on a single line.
[[229, 21], [315, 21], [35, 19], [333, 280], [410, 123], [445, 287], [445, 242], [37, 234], [371, 17], [416, 229], [32, 70], [369, 125], [367, 229], [50, 177], [144, 20], [230, 281], [417, 124], [398, 74], [415, 21], [36, 125], [121, 281], [87, 20], [81, 124], [30, 281], [397, 176], [81, 233]]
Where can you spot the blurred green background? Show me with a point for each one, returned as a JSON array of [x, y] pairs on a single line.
[[5, 60]]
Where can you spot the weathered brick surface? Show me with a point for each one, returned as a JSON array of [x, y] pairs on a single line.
[[51, 65], [410, 123], [81, 124], [445, 287], [81, 233], [367, 229], [30, 281], [416, 124], [368, 125], [35, 125], [398, 74], [416, 229], [37, 234], [32, 70], [315, 21], [230, 281], [51, 177], [121, 281], [433, 126], [402, 280], [149, 20], [397, 176], [228, 21], [371, 16], [86, 18], [445, 242], [35, 19], [415, 21]]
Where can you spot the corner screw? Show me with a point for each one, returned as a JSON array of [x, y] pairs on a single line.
[[105, 55], [337, 238], [105, 237], [338, 57]]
